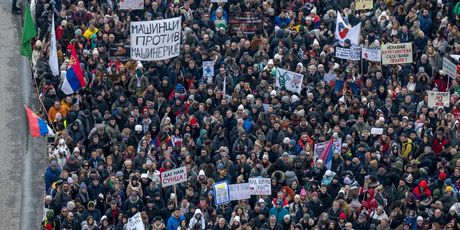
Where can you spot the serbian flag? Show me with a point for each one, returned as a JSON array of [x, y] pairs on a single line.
[[74, 79], [37, 126], [326, 155], [344, 31]]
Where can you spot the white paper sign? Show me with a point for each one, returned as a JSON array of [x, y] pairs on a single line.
[[436, 99], [260, 186], [397, 53], [355, 53], [208, 69], [155, 40], [320, 147], [449, 68], [135, 222], [342, 53], [372, 54], [222, 193], [131, 5], [329, 77], [377, 131], [292, 81], [174, 176], [240, 191]]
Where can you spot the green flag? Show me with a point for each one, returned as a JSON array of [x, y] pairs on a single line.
[[28, 33]]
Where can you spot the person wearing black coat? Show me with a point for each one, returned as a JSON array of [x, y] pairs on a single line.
[[361, 223]]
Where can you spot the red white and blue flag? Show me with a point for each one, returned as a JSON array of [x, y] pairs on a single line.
[[74, 79], [37, 126], [344, 31], [326, 155]]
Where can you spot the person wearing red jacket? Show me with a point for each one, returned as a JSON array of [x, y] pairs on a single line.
[[440, 143], [422, 190]]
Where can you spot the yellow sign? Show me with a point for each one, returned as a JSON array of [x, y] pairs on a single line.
[[364, 4]]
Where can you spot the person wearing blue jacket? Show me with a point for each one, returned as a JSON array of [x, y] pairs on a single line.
[[282, 19], [279, 211], [175, 219], [426, 22], [52, 174]]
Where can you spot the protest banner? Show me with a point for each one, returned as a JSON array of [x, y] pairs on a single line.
[[320, 147], [208, 69], [240, 191], [260, 186], [246, 21], [449, 68], [364, 4], [174, 176], [290, 80], [135, 222], [131, 5], [155, 40], [377, 131], [372, 54], [222, 192], [342, 53], [119, 52], [355, 53], [397, 53], [436, 99], [328, 77]]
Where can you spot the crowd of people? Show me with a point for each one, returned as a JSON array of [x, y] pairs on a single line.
[[136, 119]]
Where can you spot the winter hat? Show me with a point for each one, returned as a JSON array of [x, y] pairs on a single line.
[[138, 128], [448, 181], [82, 185], [347, 180], [419, 218], [342, 216], [442, 176], [449, 189], [398, 165], [180, 88], [50, 213], [303, 192], [193, 121], [286, 140], [290, 177], [201, 173], [220, 166], [314, 194], [328, 173]]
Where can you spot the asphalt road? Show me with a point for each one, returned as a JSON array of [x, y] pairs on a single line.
[[22, 160]]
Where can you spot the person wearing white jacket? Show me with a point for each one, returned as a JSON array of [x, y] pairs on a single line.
[[198, 218]]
